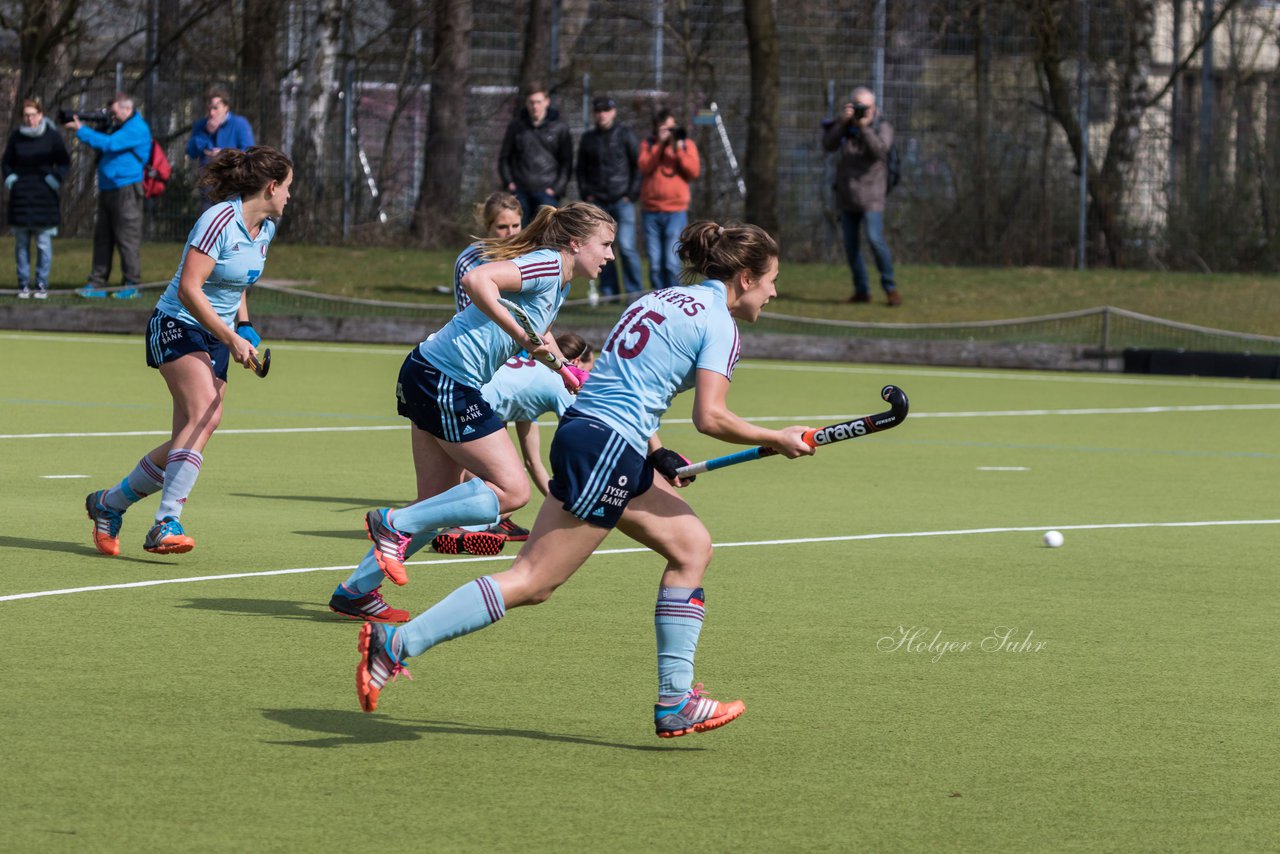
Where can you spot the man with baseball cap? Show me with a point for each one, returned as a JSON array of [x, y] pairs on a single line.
[[609, 177]]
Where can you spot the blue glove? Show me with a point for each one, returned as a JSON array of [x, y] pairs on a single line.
[[10, 181], [246, 331], [53, 182]]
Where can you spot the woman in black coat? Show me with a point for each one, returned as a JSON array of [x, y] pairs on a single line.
[[35, 162]]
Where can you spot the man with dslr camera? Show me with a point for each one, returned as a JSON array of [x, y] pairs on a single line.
[[862, 140], [124, 147], [668, 162]]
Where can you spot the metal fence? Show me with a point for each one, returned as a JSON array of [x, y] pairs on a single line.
[[692, 54]]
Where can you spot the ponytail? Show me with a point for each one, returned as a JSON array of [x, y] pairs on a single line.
[[233, 173], [709, 250], [551, 228]]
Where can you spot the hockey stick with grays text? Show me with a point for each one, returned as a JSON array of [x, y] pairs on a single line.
[[863, 426], [571, 381]]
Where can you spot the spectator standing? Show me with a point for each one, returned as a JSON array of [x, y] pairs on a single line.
[[34, 165], [608, 171], [862, 140], [668, 162], [219, 129], [123, 151], [536, 160]]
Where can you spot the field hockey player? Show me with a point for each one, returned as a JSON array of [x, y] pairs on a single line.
[[200, 325], [604, 456], [454, 429]]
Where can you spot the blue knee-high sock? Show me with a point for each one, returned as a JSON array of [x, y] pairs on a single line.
[[180, 473], [146, 478], [470, 608], [367, 577], [470, 503], [677, 620]]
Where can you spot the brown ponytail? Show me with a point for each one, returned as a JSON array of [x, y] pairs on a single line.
[[233, 173], [551, 228], [713, 251]]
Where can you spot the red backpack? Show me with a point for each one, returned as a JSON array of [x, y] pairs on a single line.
[[156, 172]]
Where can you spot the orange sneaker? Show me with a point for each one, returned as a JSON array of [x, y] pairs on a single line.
[[695, 713], [388, 545], [377, 666], [168, 538], [106, 523]]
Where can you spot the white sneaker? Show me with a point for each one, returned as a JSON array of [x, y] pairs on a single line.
[[24, 294], [42, 294]]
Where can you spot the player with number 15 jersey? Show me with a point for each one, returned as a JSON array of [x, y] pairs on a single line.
[[654, 353]]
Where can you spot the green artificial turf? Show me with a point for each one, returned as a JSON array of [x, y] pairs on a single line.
[[1134, 711]]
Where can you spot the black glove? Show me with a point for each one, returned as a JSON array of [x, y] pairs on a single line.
[[666, 461]]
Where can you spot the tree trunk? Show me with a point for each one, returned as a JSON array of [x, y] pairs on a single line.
[[535, 64], [762, 122], [435, 216], [982, 129], [258, 98]]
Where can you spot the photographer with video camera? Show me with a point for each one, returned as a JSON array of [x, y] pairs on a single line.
[[124, 147], [668, 162], [863, 141]]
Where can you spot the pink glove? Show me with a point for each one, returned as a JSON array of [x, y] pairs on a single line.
[[573, 377]]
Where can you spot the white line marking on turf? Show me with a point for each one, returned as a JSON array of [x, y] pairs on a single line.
[[1003, 468], [876, 370], [12, 597], [995, 413], [62, 476]]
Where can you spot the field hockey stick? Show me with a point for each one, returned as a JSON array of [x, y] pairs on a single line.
[[535, 340], [863, 426], [261, 367]]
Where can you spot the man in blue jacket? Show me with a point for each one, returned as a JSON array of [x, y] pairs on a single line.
[[220, 129], [123, 152]]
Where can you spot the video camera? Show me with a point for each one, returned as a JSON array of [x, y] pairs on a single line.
[[94, 118]]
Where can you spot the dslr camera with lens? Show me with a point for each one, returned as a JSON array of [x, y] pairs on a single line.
[[679, 134], [94, 118], [860, 110]]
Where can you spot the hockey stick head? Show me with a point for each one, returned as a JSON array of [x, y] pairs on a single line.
[[261, 366], [897, 400], [867, 424]]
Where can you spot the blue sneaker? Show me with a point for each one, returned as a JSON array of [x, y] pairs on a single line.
[[378, 664], [126, 293], [694, 713], [168, 538], [106, 523], [90, 292]]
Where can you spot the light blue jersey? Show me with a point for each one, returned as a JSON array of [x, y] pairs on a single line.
[[523, 390], [468, 260], [654, 353], [471, 347], [238, 259]]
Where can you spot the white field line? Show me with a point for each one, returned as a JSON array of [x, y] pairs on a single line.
[[12, 597], [794, 419], [876, 370]]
